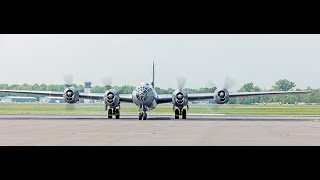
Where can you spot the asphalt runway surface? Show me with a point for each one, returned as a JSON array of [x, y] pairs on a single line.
[[159, 130]]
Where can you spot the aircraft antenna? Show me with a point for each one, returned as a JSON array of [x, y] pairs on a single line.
[[152, 83]]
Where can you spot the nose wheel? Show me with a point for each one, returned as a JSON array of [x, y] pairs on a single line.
[[143, 112], [143, 115]]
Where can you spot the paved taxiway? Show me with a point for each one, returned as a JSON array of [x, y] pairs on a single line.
[[159, 130]]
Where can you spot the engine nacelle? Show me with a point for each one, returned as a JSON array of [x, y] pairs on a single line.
[[71, 95], [221, 96], [111, 98], [179, 98]]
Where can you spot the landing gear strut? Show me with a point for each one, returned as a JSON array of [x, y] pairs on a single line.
[[143, 113], [114, 111], [180, 112]]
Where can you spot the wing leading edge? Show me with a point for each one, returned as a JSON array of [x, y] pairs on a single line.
[[242, 94], [94, 96], [207, 96]]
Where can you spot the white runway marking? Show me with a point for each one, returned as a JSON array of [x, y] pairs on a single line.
[[303, 134], [112, 133]]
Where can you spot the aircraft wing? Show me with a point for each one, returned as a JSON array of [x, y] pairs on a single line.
[[94, 96], [164, 98], [126, 98], [242, 94], [44, 93], [208, 96]]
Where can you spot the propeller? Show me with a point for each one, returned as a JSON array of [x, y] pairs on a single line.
[[210, 84], [179, 96], [107, 82], [181, 82], [110, 96], [68, 79], [228, 83], [69, 94]]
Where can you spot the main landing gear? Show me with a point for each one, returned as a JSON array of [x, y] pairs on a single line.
[[143, 113], [114, 112], [180, 112]]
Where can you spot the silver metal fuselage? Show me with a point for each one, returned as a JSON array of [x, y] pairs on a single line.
[[145, 95]]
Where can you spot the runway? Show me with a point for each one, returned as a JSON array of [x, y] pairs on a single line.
[[158, 130]]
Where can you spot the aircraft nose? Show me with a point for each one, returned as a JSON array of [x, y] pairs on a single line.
[[141, 96]]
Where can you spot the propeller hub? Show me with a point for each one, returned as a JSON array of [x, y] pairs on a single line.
[[179, 96], [69, 93], [110, 96], [221, 94]]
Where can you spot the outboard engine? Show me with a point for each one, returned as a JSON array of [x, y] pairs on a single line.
[[179, 98], [111, 98], [71, 95], [221, 96]]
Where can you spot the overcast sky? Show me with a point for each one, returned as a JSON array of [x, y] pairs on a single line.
[[261, 59]]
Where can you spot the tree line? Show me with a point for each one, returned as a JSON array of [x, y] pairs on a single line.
[[281, 85]]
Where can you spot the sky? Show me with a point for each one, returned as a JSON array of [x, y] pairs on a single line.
[[261, 59]]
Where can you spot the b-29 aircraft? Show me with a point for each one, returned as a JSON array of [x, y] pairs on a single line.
[[146, 98]]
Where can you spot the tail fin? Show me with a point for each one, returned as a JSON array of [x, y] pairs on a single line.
[[152, 82]]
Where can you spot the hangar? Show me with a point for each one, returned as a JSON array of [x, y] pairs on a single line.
[[47, 99], [18, 99]]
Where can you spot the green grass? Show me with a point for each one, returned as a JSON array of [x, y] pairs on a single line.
[[39, 108]]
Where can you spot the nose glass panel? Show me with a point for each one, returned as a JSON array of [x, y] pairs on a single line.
[[142, 93]]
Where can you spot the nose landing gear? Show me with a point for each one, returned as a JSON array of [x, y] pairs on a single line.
[[143, 113]]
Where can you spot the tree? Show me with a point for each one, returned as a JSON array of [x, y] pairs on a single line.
[[249, 87], [284, 85], [36, 87], [313, 96], [43, 87]]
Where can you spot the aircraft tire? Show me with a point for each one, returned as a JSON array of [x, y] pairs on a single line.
[[140, 116], [110, 114], [176, 114], [184, 114], [117, 114]]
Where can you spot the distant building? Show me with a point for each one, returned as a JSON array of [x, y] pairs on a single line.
[[87, 89], [203, 102], [11, 99], [47, 99]]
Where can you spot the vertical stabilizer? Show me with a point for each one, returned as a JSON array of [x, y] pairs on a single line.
[[152, 82]]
